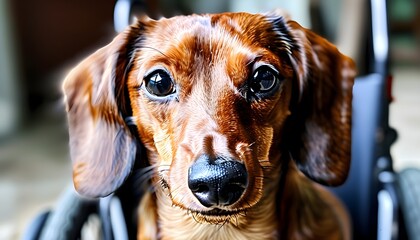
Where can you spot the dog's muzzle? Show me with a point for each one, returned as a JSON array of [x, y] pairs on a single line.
[[217, 181]]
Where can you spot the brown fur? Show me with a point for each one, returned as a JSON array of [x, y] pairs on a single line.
[[304, 127]]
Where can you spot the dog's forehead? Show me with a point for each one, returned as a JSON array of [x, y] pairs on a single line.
[[214, 27], [197, 43]]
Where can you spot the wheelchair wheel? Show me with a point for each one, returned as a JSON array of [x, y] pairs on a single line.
[[409, 180], [33, 231], [65, 222]]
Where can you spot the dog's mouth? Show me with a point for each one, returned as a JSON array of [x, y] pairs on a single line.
[[218, 212], [217, 216]]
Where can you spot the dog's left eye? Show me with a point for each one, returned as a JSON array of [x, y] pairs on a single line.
[[263, 82], [159, 83]]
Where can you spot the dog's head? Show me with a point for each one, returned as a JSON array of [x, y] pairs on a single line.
[[218, 101]]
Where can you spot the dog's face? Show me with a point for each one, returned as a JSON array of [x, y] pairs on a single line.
[[208, 101], [218, 102]]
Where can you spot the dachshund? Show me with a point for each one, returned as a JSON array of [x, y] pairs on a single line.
[[242, 119]]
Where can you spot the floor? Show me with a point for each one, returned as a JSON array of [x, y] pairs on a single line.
[[35, 167]]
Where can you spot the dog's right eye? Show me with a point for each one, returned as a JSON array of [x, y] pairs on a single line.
[[263, 83], [159, 83]]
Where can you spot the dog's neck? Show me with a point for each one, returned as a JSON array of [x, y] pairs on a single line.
[[307, 210]]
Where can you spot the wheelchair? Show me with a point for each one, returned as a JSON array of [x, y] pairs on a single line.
[[383, 204]]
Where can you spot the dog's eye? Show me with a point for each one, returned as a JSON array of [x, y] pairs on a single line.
[[263, 82], [159, 83]]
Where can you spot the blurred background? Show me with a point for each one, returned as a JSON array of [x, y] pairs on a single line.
[[41, 40]]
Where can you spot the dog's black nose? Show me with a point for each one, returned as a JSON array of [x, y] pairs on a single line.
[[217, 182]]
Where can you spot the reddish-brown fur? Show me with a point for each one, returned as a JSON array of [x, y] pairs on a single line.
[[210, 58]]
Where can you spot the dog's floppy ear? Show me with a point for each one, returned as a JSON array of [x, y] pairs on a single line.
[[320, 139], [102, 147]]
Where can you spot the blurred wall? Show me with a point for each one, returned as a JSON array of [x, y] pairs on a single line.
[[298, 9], [53, 34], [9, 94]]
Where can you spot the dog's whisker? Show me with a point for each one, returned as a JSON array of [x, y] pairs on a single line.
[[157, 50], [131, 121], [194, 217], [142, 177], [163, 168], [237, 220], [148, 168], [249, 204], [174, 194], [183, 198], [243, 213], [145, 181], [152, 188], [145, 171], [223, 224]]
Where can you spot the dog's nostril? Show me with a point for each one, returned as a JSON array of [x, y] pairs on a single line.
[[217, 182], [201, 188]]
